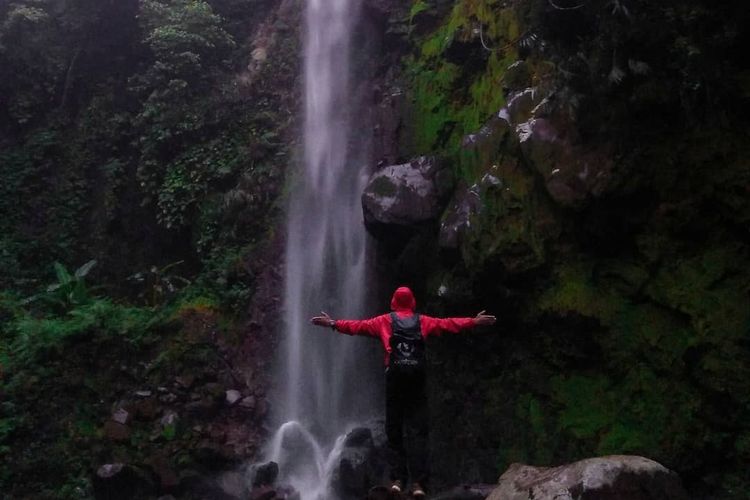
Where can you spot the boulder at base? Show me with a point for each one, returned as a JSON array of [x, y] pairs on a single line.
[[361, 464], [405, 195], [603, 478]]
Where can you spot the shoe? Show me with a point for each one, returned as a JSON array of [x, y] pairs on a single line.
[[396, 486], [417, 492]]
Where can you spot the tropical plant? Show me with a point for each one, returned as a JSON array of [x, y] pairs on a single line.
[[159, 283], [70, 289]]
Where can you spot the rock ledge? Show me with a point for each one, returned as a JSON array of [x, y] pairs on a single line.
[[617, 477]]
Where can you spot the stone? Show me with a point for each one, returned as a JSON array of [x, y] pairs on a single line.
[[550, 144], [617, 477], [121, 416], [234, 483], [214, 390], [111, 481], [168, 398], [260, 54], [361, 464], [146, 409], [203, 408], [232, 396], [287, 493], [212, 455], [521, 106], [185, 381], [168, 479], [517, 76], [248, 402], [108, 471], [263, 493], [262, 408], [353, 472], [266, 474], [464, 205], [572, 174], [388, 129], [218, 434], [169, 419], [384, 7], [489, 134], [404, 195], [116, 431], [361, 436]]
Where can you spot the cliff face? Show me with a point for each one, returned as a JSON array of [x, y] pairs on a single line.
[[149, 140], [601, 210]]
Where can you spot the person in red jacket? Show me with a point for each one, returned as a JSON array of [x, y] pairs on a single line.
[[402, 333]]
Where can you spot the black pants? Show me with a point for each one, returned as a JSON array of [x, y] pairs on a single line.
[[406, 425]]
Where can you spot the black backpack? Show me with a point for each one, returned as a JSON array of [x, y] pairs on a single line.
[[407, 343]]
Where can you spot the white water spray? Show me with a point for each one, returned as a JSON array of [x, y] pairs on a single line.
[[327, 381]]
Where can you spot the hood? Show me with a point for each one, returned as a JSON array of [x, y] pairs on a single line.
[[403, 300]]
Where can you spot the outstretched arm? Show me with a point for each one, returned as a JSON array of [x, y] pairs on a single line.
[[367, 327], [436, 326]]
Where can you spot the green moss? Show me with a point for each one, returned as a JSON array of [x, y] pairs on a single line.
[[383, 186], [636, 344], [711, 288], [575, 292], [632, 415], [514, 222], [431, 87], [451, 100]]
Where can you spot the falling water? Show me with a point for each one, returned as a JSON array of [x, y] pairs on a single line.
[[326, 378]]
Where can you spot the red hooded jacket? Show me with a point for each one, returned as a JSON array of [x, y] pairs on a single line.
[[403, 304]]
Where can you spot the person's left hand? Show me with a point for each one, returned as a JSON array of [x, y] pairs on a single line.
[[323, 320], [482, 319]]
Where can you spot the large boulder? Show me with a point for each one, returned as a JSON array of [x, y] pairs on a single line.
[[545, 130], [572, 173], [361, 464], [465, 204], [616, 477], [405, 195]]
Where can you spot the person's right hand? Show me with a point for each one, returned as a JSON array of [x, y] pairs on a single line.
[[482, 319], [323, 320]]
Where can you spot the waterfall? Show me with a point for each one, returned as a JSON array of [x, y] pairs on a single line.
[[327, 381]]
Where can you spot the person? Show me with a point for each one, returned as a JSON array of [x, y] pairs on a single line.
[[402, 333]]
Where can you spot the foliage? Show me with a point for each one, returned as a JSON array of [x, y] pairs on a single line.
[[31, 240], [624, 320], [70, 289], [38, 338], [132, 135], [159, 284], [453, 99], [132, 132], [187, 42]]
